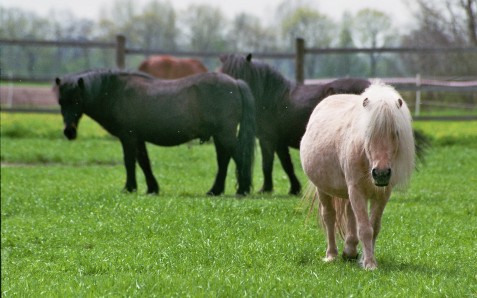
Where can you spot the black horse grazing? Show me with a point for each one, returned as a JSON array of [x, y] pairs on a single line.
[[138, 108], [282, 109]]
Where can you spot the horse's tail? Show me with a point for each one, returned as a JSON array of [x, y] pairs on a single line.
[[245, 150], [311, 198], [422, 143]]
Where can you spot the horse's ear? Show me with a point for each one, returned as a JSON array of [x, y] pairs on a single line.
[[249, 57], [329, 91], [223, 58], [57, 81], [365, 102], [399, 103], [81, 83]]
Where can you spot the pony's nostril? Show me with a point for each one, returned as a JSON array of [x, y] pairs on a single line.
[[386, 173]]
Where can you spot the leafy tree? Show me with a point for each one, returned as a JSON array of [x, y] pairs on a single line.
[[157, 26], [345, 64], [247, 35], [317, 30], [373, 29], [203, 28]]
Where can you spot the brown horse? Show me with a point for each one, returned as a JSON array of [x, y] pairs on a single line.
[[168, 67]]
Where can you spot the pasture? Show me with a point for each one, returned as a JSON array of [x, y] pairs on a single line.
[[68, 230]]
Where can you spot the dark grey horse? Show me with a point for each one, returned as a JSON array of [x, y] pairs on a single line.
[[138, 108], [283, 108]]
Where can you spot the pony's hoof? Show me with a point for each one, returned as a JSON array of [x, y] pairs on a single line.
[[329, 259], [370, 265], [211, 193], [265, 191], [349, 258], [129, 190], [240, 195], [294, 192]]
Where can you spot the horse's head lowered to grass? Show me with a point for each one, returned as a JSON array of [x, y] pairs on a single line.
[[70, 98]]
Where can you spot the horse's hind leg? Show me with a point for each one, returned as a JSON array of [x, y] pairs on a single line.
[[223, 159], [287, 165], [143, 160], [328, 216], [129, 152], [350, 251], [268, 151]]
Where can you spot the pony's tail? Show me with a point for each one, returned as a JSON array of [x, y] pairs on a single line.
[[245, 150], [312, 200]]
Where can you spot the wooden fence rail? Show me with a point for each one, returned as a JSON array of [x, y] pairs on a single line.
[[414, 84]]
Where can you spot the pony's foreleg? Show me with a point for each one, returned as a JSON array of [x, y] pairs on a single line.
[[223, 159], [365, 230], [328, 215], [350, 251], [377, 210], [285, 159], [143, 160], [129, 155], [268, 153]]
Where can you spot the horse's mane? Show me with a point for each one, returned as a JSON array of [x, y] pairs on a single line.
[[267, 84], [388, 114], [95, 79]]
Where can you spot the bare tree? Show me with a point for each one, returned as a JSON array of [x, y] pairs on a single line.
[[373, 29]]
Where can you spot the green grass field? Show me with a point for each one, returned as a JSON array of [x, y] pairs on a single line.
[[67, 230]]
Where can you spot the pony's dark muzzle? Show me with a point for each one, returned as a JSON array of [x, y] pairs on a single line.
[[70, 132], [381, 177]]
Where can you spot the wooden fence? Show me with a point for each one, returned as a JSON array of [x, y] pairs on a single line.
[[414, 84]]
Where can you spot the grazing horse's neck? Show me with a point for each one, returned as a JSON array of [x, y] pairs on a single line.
[[269, 86]]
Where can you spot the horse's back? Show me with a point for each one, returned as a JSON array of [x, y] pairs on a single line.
[[197, 106], [333, 107], [168, 67]]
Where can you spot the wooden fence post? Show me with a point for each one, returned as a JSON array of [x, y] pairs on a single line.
[[120, 51], [417, 108], [300, 61]]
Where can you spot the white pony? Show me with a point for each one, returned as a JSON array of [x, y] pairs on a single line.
[[355, 150]]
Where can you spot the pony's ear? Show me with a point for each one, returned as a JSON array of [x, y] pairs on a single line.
[[329, 91], [57, 81], [249, 57], [81, 83], [365, 102], [399, 103], [223, 58]]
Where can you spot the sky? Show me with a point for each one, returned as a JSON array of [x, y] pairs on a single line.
[[398, 9]]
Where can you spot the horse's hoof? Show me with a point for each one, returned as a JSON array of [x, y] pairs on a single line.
[[129, 190], [369, 265], [350, 258], [265, 191], [212, 193], [294, 192], [329, 259], [241, 194], [153, 192]]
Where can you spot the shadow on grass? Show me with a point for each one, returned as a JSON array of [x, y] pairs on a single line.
[[393, 266]]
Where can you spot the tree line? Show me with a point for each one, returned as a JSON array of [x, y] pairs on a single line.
[[204, 28]]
